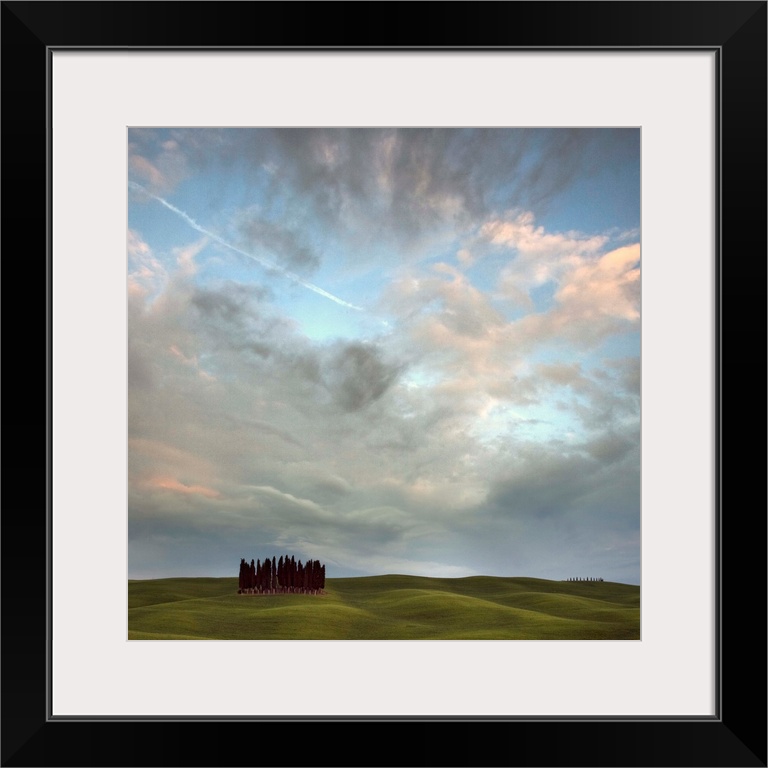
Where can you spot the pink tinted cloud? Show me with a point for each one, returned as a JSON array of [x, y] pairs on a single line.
[[160, 171], [172, 484], [609, 286], [539, 256], [519, 231], [148, 173], [146, 274], [598, 298]]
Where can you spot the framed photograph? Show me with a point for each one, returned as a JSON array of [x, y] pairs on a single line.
[[454, 313]]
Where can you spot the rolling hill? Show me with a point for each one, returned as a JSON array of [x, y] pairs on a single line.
[[392, 607]]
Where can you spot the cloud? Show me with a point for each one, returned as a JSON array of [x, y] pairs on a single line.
[[172, 484], [610, 447], [594, 294], [357, 375], [235, 308], [518, 231], [348, 375], [465, 257], [596, 297], [285, 243], [447, 318], [286, 438], [159, 164], [147, 172], [146, 274], [562, 374], [629, 372], [538, 256], [448, 325], [594, 486], [541, 484], [607, 286], [289, 502], [383, 186]]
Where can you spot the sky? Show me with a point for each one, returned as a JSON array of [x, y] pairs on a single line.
[[392, 350]]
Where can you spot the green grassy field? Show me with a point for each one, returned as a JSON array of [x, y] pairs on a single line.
[[387, 608]]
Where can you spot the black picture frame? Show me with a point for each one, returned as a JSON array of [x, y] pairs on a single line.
[[736, 735]]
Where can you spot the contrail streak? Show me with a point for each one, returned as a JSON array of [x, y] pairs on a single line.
[[263, 262]]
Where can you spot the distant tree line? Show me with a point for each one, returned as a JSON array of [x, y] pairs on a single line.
[[584, 578], [281, 576]]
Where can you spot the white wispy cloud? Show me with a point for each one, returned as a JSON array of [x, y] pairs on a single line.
[[270, 265]]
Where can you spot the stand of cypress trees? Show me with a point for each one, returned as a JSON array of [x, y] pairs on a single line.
[[583, 578], [281, 576]]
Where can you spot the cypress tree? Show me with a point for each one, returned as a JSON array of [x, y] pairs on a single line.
[[284, 575]]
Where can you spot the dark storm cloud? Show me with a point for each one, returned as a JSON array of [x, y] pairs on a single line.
[[357, 375], [232, 317], [283, 243], [611, 447], [232, 303]]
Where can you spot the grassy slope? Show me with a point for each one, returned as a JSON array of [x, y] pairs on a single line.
[[387, 608]]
